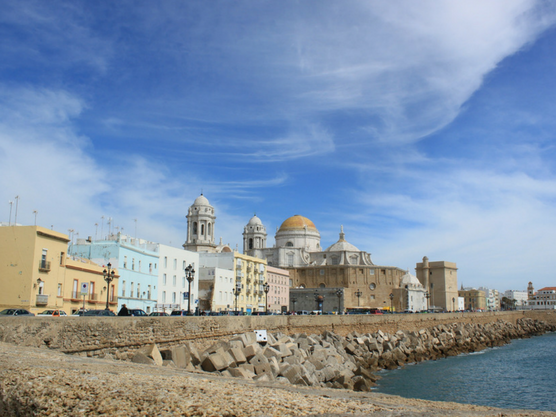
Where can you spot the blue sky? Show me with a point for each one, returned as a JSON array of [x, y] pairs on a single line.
[[424, 128]]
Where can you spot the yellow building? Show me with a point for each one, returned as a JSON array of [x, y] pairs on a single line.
[[251, 277], [36, 274], [473, 299]]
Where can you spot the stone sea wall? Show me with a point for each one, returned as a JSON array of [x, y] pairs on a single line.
[[333, 361], [114, 336]]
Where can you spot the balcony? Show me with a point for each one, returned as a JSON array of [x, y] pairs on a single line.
[[44, 266], [42, 300]]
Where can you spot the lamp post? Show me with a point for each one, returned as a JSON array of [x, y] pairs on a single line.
[[391, 302], [190, 276], [453, 303], [236, 291], [339, 294], [293, 300], [109, 275], [319, 298], [427, 296], [358, 294], [266, 288]]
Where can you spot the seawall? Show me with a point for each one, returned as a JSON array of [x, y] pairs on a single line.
[[113, 336]]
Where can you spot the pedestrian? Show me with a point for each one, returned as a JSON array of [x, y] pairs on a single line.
[[123, 311]]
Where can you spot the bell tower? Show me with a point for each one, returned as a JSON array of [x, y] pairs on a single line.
[[200, 226], [254, 236]]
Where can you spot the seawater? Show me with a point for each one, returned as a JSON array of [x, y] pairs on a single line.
[[520, 375]]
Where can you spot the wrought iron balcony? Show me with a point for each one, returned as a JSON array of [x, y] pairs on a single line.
[[44, 266]]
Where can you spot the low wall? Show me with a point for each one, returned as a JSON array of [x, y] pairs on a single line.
[[95, 336]]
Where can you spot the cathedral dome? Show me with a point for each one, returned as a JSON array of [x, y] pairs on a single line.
[[410, 280], [255, 221], [201, 201], [342, 245], [297, 222]]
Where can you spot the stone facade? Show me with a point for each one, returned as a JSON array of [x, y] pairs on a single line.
[[440, 279]]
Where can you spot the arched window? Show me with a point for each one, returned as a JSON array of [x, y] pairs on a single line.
[[208, 229], [251, 243], [322, 286], [290, 244], [202, 230], [194, 228]]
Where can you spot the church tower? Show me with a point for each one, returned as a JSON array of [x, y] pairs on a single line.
[[254, 236], [200, 226], [530, 291]]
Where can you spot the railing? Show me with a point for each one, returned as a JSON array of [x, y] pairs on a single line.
[[44, 266], [42, 300]]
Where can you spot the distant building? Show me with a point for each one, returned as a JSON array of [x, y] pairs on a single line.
[[492, 299], [474, 300], [278, 281], [519, 298], [410, 296], [441, 281], [543, 299], [216, 289]]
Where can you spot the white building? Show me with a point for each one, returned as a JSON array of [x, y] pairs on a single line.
[[519, 296], [216, 287], [492, 299], [173, 286], [543, 299]]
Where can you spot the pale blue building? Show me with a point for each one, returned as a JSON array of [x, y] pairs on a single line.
[[136, 265]]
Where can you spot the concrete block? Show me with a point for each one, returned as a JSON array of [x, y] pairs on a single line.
[[251, 350], [247, 367], [152, 352], [196, 358], [169, 363], [258, 359], [262, 378], [221, 344], [237, 355], [180, 355], [241, 373], [270, 352], [140, 357], [216, 362], [264, 368]]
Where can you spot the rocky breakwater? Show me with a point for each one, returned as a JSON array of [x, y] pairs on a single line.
[[329, 360]]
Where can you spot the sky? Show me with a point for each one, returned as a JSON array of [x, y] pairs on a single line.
[[423, 128]]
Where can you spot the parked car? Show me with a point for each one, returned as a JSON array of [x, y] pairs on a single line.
[[158, 314], [79, 312], [180, 313], [136, 312], [53, 313], [375, 311], [99, 313], [302, 313], [16, 312]]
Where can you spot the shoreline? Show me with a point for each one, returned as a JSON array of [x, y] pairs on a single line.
[[41, 382]]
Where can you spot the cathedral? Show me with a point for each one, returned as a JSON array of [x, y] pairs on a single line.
[[340, 266]]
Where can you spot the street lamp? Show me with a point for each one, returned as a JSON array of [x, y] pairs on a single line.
[[190, 276], [266, 287], [391, 302], [109, 275], [453, 303], [320, 301], [427, 296], [358, 294], [293, 300], [236, 291], [339, 294]]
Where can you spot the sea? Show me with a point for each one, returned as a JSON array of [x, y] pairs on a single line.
[[520, 375]]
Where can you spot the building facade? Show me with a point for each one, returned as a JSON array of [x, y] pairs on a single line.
[[37, 274], [278, 296], [440, 279], [474, 300], [250, 277], [543, 299], [136, 263]]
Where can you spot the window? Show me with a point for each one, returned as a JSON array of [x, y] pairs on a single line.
[[138, 290], [59, 290], [131, 291], [175, 264], [174, 297], [165, 262], [149, 292], [174, 281], [92, 291], [183, 282], [125, 262], [183, 266], [123, 288], [139, 269], [289, 244], [75, 289], [133, 264], [290, 259], [150, 268], [164, 279], [194, 228], [163, 296], [62, 258], [208, 229]]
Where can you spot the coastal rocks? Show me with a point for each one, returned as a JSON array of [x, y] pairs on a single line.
[[333, 361]]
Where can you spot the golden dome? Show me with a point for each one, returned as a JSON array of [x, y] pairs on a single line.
[[297, 222]]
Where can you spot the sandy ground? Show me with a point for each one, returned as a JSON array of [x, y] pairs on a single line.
[[39, 382]]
